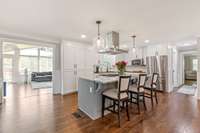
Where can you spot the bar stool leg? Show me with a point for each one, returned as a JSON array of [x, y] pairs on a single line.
[[156, 97], [103, 106], [144, 103], [138, 103], [127, 110], [151, 98], [119, 114]]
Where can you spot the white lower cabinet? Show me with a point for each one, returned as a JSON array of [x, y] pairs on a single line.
[[69, 81]]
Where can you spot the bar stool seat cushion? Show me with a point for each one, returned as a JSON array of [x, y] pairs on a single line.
[[133, 88], [113, 93], [148, 86]]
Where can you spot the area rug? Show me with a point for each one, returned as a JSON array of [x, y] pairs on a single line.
[[188, 90], [41, 85]]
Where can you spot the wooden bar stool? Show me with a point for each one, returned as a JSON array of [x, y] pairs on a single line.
[[150, 88], [117, 95], [138, 90]]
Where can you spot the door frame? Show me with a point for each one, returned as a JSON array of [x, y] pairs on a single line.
[[56, 68]]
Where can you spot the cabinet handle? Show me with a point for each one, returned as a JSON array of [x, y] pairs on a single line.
[[75, 72]]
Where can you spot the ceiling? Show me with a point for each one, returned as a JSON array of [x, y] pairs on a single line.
[[159, 21]]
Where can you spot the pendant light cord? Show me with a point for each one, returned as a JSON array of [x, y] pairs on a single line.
[[98, 23], [134, 41]]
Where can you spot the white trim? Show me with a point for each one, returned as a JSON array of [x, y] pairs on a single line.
[[69, 92], [93, 117], [29, 42], [31, 38]]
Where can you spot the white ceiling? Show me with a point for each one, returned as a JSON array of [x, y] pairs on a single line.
[[157, 20]]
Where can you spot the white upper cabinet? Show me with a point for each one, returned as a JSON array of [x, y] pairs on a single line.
[[68, 56], [80, 59]]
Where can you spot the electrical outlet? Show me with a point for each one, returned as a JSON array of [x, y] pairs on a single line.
[[90, 89]]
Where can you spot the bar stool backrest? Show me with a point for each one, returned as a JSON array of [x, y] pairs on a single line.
[[142, 81], [124, 82], [154, 80]]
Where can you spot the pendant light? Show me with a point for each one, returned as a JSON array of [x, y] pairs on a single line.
[[134, 46], [99, 41]]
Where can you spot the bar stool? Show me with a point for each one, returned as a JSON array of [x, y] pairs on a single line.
[[117, 95], [138, 90], [150, 88]]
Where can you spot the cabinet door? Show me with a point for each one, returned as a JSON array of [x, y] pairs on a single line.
[[80, 57], [69, 81]]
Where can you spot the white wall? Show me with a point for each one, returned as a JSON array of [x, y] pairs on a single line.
[[56, 70], [1, 72]]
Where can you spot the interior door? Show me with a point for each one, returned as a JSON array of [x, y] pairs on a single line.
[[69, 79]]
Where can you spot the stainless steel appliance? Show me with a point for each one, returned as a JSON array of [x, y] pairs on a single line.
[[112, 44], [137, 62], [159, 64]]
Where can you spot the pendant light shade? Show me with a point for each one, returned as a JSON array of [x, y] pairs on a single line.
[[99, 42], [133, 50]]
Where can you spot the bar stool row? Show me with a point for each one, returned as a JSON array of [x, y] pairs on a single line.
[[130, 93]]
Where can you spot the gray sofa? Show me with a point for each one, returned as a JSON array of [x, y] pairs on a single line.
[[41, 76]]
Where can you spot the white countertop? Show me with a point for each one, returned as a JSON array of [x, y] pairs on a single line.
[[104, 79]]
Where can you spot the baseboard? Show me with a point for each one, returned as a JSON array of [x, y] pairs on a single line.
[[70, 93]]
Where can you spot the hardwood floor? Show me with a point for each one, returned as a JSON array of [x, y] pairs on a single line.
[[45, 113]]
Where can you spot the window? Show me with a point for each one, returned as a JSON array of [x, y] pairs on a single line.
[[36, 59], [195, 64], [47, 52], [29, 52], [45, 64], [28, 62]]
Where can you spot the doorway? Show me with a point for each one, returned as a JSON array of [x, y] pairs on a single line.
[[190, 63], [27, 69], [190, 71]]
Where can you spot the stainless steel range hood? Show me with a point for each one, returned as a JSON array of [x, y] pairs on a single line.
[[112, 44]]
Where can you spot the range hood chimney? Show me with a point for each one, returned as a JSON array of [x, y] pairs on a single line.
[[112, 44]]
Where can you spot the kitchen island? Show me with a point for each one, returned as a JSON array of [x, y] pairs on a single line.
[[90, 88]]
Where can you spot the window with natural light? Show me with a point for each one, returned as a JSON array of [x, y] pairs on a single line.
[[195, 64]]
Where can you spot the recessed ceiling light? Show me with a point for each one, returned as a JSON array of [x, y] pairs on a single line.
[[83, 36], [146, 41]]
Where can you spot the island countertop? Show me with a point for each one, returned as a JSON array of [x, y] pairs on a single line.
[[104, 77]]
